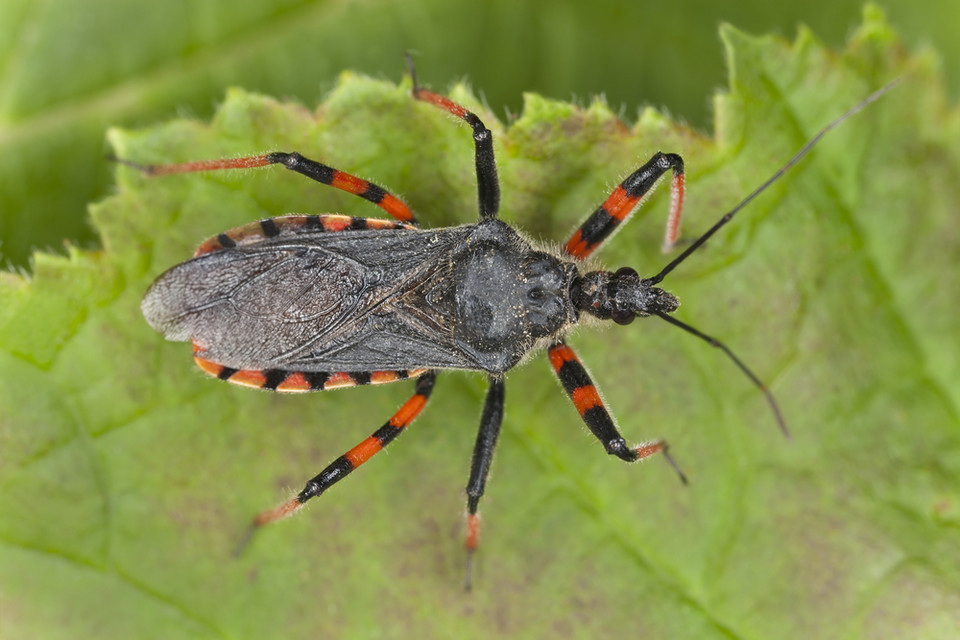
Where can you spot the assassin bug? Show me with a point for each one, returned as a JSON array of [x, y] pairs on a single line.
[[314, 302]]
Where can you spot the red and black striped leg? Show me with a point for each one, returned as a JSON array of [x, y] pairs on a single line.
[[295, 162], [345, 464], [480, 466], [576, 382], [488, 187], [621, 203]]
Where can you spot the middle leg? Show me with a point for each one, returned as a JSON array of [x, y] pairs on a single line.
[[487, 436], [488, 186]]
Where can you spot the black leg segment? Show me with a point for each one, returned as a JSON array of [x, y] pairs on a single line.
[[486, 442], [487, 436], [488, 186]]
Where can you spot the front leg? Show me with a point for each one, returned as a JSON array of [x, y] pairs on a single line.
[[624, 200], [578, 385]]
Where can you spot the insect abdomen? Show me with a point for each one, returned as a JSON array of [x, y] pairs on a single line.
[[301, 381]]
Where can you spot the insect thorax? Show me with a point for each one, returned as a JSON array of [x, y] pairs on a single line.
[[507, 296]]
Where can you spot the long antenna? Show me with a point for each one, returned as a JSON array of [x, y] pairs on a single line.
[[778, 416], [776, 176]]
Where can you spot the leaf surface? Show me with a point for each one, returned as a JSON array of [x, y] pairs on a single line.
[[127, 478]]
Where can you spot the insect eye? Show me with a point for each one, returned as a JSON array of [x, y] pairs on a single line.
[[623, 317], [626, 271]]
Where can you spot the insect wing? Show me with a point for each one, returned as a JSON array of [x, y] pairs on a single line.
[[350, 301]]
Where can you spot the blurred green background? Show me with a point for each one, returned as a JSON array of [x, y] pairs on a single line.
[[72, 68]]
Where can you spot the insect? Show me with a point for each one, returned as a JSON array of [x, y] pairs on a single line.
[[318, 302]]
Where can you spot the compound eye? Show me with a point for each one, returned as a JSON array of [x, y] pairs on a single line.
[[626, 271], [622, 317]]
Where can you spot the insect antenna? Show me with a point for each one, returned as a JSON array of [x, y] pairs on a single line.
[[727, 217], [756, 381]]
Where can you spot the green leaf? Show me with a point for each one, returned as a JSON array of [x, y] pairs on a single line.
[[127, 477]]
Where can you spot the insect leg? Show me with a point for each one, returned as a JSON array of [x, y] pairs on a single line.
[[488, 187], [295, 162], [624, 200], [480, 465], [804, 150], [578, 385], [342, 466]]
